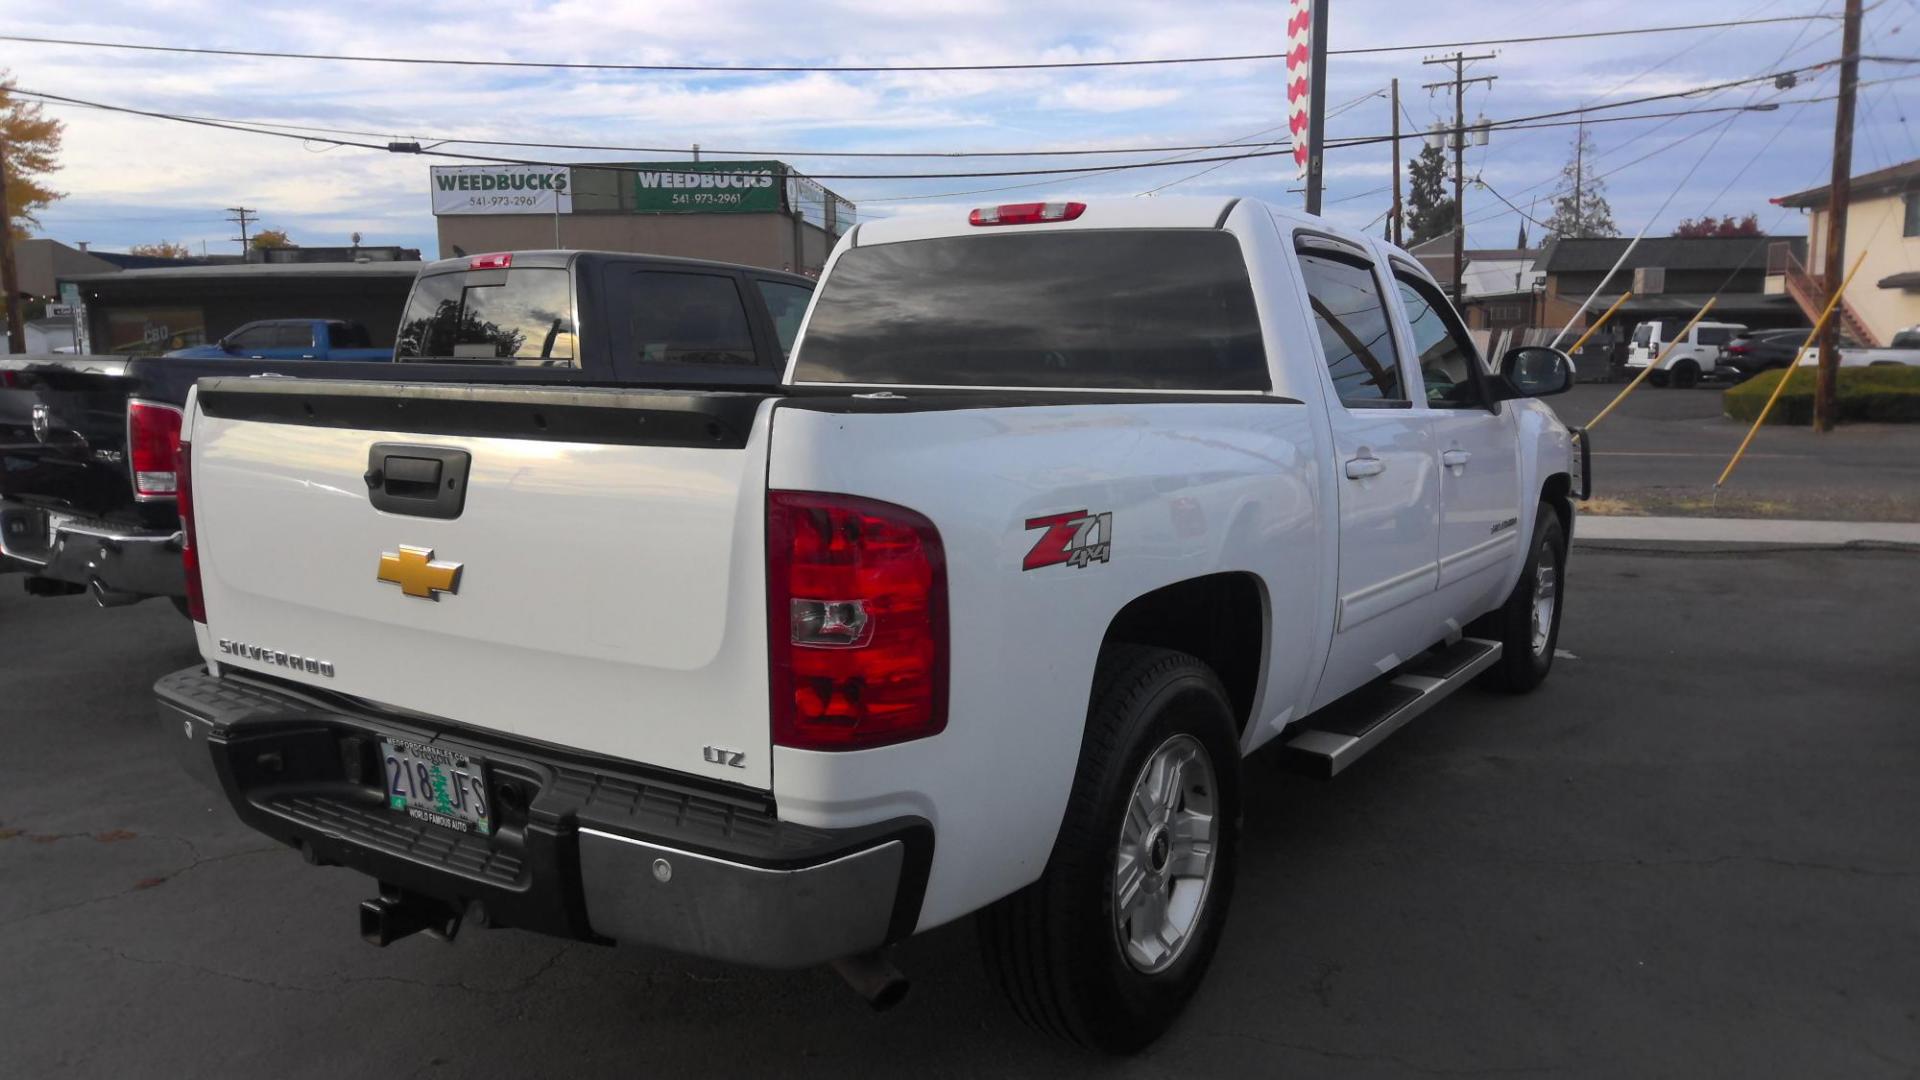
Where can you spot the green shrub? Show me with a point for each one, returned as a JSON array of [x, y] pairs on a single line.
[[1890, 392]]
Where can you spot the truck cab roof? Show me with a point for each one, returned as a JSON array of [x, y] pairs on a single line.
[[565, 259]]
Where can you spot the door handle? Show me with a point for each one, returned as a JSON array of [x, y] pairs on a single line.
[[1364, 466], [1454, 458]]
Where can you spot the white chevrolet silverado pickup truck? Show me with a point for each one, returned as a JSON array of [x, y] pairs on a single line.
[[1056, 514]]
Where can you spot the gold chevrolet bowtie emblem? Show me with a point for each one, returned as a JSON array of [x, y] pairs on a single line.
[[414, 570]]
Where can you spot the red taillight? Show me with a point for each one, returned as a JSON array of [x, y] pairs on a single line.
[[499, 260], [857, 622], [1739, 350], [1026, 213], [153, 433], [189, 553]]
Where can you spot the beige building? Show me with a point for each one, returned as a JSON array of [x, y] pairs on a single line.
[[1883, 220]]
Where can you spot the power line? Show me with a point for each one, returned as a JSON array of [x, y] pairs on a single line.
[[275, 54]]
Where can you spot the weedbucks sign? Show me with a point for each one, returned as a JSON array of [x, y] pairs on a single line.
[[699, 187], [502, 189]]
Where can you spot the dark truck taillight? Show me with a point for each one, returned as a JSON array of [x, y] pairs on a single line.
[[189, 552], [153, 434], [857, 622]]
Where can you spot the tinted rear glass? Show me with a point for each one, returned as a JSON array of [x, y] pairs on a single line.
[[1713, 335], [490, 316], [1643, 334], [1126, 309]]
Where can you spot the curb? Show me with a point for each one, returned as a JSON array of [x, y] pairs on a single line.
[[1747, 532]]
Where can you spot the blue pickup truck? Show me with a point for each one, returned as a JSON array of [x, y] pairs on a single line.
[[292, 339]]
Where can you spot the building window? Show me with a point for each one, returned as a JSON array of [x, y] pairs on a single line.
[[1912, 202]]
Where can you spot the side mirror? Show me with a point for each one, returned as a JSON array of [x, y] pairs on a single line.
[[225, 344], [1537, 371]]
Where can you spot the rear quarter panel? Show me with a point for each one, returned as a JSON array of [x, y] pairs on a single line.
[[1194, 488]]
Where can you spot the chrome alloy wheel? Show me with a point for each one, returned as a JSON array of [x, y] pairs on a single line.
[[1165, 860], [1546, 593]]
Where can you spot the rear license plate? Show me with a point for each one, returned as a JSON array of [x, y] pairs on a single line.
[[437, 785]]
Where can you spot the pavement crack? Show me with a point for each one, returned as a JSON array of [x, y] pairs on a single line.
[[139, 886], [153, 961]]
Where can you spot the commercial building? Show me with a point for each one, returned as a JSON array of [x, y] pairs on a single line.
[[759, 213], [1670, 278], [1883, 221]]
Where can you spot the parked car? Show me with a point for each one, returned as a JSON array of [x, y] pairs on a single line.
[[1904, 349], [88, 479], [292, 339], [1762, 350], [1059, 510], [1687, 362]]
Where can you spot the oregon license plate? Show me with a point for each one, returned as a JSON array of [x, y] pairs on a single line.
[[436, 785]]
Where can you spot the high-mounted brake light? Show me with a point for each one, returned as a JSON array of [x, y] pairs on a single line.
[[153, 433], [857, 622], [189, 553], [499, 260], [1026, 213]]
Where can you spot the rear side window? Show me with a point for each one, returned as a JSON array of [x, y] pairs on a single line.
[[787, 304], [520, 317], [1356, 336], [688, 319], [1712, 335], [1156, 309]]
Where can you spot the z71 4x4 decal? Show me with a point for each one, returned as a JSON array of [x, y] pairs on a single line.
[[1075, 538]]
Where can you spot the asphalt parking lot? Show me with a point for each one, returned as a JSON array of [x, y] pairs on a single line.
[[1692, 853], [1662, 449]]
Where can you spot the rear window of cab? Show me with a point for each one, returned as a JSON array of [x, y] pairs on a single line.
[[1159, 309]]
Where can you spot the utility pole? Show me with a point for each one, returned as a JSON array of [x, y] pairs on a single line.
[[1579, 175], [9, 273], [241, 214], [1317, 107], [1396, 164], [1459, 84], [1826, 385]]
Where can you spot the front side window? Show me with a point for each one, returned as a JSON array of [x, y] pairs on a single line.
[[688, 319], [293, 335], [257, 336], [1356, 336], [1153, 309], [519, 317], [1449, 363]]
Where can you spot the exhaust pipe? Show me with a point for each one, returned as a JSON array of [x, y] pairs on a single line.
[[874, 978], [109, 598], [395, 914]]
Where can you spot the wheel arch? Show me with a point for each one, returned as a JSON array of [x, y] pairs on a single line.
[[1222, 618]]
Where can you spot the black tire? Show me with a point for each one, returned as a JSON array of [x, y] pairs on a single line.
[[1686, 375], [1054, 948], [1657, 378], [1522, 666]]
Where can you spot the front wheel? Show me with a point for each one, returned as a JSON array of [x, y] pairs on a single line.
[[1527, 626], [1108, 946]]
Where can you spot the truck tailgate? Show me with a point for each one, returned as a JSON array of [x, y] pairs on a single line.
[[63, 431], [600, 589]]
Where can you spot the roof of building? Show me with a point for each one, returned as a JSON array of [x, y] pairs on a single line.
[[1566, 255], [1888, 181], [1688, 303], [242, 271], [1908, 280], [126, 261]]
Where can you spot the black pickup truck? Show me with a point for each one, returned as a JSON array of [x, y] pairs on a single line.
[[87, 443]]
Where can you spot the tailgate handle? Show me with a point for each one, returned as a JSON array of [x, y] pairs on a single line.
[[419, 481]]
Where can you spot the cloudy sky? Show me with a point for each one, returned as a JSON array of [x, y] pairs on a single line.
[[131, 179]]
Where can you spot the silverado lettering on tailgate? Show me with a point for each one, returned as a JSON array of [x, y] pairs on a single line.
[[276, 658]]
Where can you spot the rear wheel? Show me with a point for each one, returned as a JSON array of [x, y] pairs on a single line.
[[1527, 626], [1657, 378], [1108, 946], [1686, 375]]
